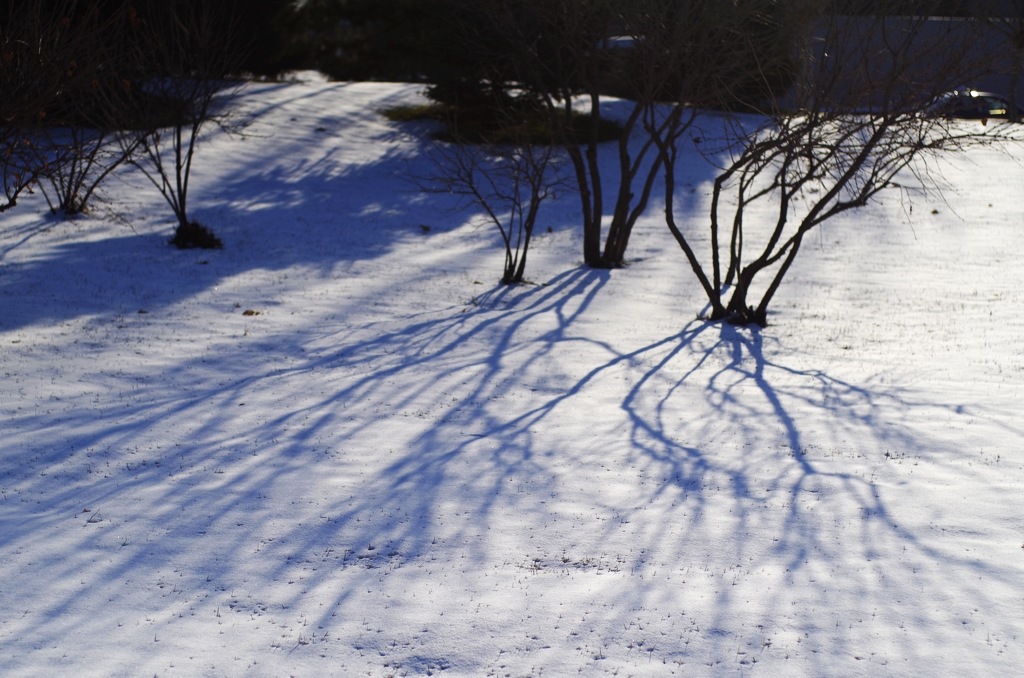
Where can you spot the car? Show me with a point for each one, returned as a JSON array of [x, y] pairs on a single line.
[[973, 105]]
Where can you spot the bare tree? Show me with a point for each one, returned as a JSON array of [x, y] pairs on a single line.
[[187, 52], [508, 183], [557, 55], [854, 128], [77, 160], [571, 56]]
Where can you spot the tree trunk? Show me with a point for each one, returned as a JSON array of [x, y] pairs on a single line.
[[739, 311]]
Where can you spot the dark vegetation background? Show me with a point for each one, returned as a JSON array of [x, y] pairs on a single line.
[[406, 40]]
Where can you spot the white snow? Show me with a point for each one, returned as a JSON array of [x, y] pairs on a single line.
[[398, 467]]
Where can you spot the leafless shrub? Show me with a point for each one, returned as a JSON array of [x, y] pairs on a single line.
[[33, 63], [508, 183], [187, 58], [88, 133], [856, 126], [68, 78]]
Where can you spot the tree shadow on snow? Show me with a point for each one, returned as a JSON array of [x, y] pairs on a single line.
[[800, 469], [452, 442], [698, 483]]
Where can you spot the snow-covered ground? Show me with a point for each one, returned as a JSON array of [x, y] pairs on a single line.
[[337, 447]]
